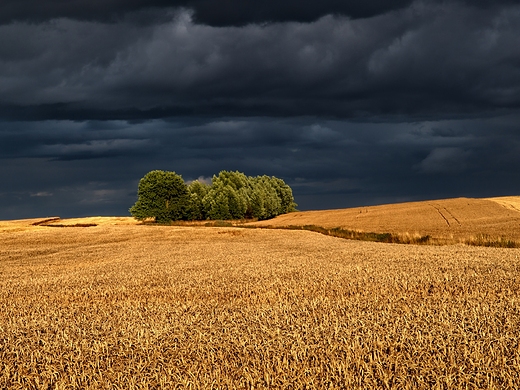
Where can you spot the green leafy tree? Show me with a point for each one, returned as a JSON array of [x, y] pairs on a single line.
[[284, 193], [216, 205], [197, 192], [228, 196], [266, 192], [163, 196], [235, 180], [236, 201], [257, 207]]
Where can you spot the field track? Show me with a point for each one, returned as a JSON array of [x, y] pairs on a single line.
[[120, 305]]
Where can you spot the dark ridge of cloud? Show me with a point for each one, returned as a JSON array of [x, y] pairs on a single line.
[[424, 62], [242, 12], [74, 111], [36, 11], [210, 12]]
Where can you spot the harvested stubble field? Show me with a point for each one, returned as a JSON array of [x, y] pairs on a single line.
[[125, 306]]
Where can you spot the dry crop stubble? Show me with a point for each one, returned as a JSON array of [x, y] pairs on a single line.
[[195, 307]]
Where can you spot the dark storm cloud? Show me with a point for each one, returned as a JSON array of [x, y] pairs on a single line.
[[216, 13], [328, 163], [380, 102], [425, 61], [66, 140], [211, 12]]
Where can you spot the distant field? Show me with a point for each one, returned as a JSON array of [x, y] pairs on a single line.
[[446, 221], [120, 305], [38, 223]]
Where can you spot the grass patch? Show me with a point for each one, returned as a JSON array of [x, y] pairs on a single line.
[[365, 236], [402, 238], [204, 223], [495, 242], [358, 235], [219, 224]]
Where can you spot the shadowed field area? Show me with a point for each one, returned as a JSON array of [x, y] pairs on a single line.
[[445, 221], [131, 306]]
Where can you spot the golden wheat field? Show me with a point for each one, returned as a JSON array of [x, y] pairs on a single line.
[[445, 221], [126, 306]]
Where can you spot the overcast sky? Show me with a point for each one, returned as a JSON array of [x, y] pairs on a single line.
[[351, 103]]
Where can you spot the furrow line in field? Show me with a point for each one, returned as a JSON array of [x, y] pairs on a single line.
[[451, 215], [441, 214]]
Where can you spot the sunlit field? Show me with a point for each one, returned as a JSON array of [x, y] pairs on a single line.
[[491, 221], [148, 307]]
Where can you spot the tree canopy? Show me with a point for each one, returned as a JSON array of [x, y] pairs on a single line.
[[164, 197]]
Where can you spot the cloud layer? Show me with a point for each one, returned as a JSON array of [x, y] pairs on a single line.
[[426, 61], [85, 168], [222, 13], [350, 104], [209, 12]]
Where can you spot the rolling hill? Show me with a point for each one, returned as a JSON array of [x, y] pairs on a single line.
[[445, 221], [448, 219]]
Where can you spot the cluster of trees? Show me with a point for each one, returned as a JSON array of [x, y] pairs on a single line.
[[164, 197]]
